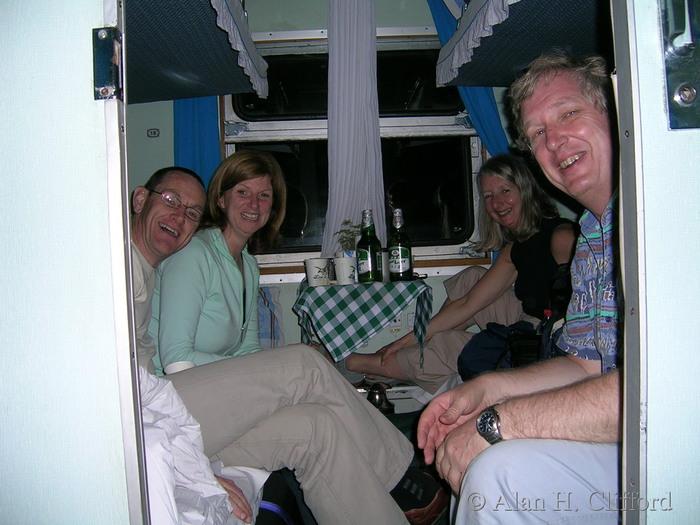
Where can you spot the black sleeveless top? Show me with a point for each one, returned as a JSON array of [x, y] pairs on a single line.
[[536, 267]]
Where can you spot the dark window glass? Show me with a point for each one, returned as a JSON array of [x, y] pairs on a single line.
[[298, 88], [429, 178]]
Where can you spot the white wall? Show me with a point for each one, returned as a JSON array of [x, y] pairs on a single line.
[[667, 174], [147, 154], [61, 450], [301, 15]]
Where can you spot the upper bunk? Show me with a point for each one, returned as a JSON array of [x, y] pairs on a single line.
[[496, 39], [190, 49]]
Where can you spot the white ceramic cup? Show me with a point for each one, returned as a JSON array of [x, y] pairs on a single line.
[[344, 270], [178, 366], [318, 271]]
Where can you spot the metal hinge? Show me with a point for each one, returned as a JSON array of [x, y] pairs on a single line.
[[231, 128], [465, 121], [107, 63], [682, 63]]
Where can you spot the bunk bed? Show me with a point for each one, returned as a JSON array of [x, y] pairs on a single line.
[[198, 48], [496, 39]]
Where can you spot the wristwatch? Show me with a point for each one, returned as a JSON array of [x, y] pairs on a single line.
[[488, 425]]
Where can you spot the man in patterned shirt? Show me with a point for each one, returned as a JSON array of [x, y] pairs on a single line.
[[543, 441]]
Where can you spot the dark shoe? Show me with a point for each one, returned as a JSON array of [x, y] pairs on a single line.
[[377, 396], [430, 514]]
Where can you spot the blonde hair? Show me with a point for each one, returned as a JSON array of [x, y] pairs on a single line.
[[535, 204]]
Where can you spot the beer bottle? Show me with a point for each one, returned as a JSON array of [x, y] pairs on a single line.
[[400, 256], [369, 252]]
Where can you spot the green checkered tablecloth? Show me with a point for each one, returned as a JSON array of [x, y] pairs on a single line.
[[345, 317]]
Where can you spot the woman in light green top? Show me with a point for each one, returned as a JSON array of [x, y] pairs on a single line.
[[205, 301]]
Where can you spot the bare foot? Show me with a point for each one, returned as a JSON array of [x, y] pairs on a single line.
[[321, 350], [354, 363]]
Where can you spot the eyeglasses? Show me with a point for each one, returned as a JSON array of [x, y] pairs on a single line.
[[174, 202]]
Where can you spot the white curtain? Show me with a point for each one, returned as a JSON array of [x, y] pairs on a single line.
[[354, 151]]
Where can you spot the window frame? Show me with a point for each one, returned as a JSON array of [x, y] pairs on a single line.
[[428, 259]]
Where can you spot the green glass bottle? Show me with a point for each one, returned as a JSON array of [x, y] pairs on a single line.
[[399, 247], [369, 252]]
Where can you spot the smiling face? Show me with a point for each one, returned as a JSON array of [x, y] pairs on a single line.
[[570, 139], [159, 230], [501, 200], [247, 207]]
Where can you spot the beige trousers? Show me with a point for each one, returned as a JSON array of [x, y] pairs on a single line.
[[443, 349], [290, 408]]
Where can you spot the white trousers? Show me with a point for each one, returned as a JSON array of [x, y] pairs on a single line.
[[541, 481]]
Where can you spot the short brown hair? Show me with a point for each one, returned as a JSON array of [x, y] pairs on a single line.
[[245, 165]]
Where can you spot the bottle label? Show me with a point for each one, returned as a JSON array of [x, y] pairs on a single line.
[[363, 262], [399, 260]]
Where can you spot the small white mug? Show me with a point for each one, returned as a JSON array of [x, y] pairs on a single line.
[[318, 271], [177, 366], [344, 270]]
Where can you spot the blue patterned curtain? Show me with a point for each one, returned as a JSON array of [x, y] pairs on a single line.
[[479, 101], [197, 141]]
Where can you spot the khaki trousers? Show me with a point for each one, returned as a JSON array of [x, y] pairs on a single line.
[[290, 408], [443, 349]]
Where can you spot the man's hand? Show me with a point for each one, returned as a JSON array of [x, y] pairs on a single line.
[[447, 412], [241, 507], [457, 451]]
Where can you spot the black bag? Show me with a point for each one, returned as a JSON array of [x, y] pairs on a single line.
[[519, 344], [488, 349]]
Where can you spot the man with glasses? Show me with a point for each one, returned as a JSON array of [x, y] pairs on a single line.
[[159, 228], [165, 215]]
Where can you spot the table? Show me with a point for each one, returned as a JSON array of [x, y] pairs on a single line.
[[345, 317]]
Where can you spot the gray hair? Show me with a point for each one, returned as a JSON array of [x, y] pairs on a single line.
[[591, 71]]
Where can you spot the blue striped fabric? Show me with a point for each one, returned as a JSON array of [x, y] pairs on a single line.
[[269, 318], [591, 329], [273, 507]]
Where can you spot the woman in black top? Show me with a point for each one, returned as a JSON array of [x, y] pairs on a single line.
[[517, 219]]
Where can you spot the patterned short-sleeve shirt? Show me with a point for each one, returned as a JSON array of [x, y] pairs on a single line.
[[592, 318]]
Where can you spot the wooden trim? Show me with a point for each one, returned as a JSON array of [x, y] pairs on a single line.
[[425, 263], [275, 270], [434, 263]]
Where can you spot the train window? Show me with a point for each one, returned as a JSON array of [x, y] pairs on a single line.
[[429, 178], [298, 88], [429, 149]]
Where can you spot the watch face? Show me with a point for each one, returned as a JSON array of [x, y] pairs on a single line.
[[486, 423]]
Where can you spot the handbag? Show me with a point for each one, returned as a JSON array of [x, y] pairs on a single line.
[[512, 346], [488, 349]]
